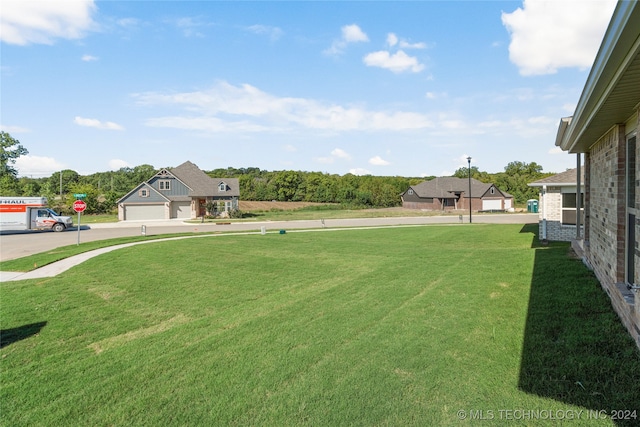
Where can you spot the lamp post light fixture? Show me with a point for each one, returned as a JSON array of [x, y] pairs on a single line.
[[469, 162]]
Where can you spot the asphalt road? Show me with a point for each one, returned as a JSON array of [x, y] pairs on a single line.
[[19, 244]]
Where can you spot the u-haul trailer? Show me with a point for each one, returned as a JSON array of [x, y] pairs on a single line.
[[30, 213]]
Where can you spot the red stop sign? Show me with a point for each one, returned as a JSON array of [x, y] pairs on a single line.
[[79, 206]]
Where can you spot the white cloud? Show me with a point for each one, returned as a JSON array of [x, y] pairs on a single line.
[[274, 33], [25, 22], [397, 62], [462, 162], [14, 129], [378, 161], [290, 148], [117, 164], [225, 108], [190, 27], [392, 39], [95, 123], [336, 154], [89, 58], [548, 35], [350, 34], [407, 45], [359, 171], [340, 154], [37, 166]]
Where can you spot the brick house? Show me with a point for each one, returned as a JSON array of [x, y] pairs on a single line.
[[604, 129], [558, 206], [449, 193]]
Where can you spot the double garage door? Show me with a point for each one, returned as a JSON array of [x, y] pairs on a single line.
[[492, 205], [141, 212], [157, 211]]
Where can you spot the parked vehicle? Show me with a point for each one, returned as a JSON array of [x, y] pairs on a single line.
[[30, 213]]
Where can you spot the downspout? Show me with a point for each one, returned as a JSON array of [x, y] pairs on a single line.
[[578, 200], [544, 213]]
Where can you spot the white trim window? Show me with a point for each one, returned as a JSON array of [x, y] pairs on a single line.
[[164, 185], [569, 204], [144, 192], [222, 187]]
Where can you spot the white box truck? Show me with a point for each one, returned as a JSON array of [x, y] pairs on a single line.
[[30, 213]]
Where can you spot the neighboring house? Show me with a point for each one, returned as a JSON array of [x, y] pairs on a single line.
[[180, 192], [604, 128], [449, 193], [558, 206]]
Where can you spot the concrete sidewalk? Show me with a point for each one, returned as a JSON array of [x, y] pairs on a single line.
[[58, 267], [55, 268]]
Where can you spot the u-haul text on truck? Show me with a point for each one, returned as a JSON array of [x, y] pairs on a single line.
[[30, 213]]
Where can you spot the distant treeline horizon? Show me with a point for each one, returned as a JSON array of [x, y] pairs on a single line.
[[104, 189]]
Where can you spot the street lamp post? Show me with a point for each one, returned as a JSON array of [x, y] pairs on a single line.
[[469, 162]]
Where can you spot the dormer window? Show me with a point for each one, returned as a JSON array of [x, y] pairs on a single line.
[[410, 192], [222, 187], [164, 184]]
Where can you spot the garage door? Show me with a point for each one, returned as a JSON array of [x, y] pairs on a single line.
[[492, 205], [140, 212], [181, 210]]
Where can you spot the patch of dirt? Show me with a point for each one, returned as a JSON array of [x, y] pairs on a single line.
[[248, 206]]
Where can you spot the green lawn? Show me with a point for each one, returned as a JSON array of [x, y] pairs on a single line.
[[404, 326]]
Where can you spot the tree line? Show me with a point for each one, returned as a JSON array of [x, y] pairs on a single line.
[[103, 189]]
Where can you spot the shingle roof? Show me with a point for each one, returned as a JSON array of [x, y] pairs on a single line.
[[566, 178], [232, 187], [446, 187], [199, 182], [202, 184]]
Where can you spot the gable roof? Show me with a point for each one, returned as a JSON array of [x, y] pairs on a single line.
[[199, 183], [138, 188], [566, 178], [232, 187], [448, 186]]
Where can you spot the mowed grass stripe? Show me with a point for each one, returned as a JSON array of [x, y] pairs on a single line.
[[397, 326]]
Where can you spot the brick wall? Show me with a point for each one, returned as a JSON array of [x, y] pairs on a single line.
[[556, 231], [606, 225]]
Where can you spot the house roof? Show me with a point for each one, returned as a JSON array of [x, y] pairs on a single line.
[[447, 187], [202, 184], [611, 92], [566, 178], [138, 187], [232, 187], [199, 183]]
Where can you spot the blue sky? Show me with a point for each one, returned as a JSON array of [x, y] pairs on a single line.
[[407, 88]]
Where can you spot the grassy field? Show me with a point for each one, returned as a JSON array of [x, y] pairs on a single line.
[[438, 325], [286, 211]]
